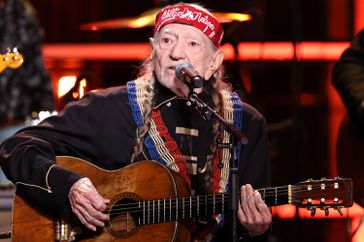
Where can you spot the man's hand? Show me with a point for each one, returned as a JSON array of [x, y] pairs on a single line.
[[253, 213], [87, 204]]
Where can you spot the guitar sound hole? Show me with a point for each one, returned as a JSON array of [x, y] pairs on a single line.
[[123, 218]]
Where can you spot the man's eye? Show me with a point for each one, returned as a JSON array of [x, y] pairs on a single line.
[[194, 43], [166, 40]]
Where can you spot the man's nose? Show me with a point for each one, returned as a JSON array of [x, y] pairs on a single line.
[[178, 51]]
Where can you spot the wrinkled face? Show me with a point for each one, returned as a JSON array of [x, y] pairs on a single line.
[[177, 43]]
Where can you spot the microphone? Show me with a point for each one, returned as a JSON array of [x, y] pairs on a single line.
[[186, 73]]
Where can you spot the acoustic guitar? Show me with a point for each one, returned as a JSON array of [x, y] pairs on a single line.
[[149, 202], [12, 59]]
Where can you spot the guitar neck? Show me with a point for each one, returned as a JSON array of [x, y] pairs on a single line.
[[172, 209]]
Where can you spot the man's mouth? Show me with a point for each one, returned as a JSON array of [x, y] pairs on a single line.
[[171, 69]]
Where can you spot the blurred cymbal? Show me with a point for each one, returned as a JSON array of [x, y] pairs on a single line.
[[147, 18]]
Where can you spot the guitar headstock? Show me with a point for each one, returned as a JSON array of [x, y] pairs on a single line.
[[325, 193], [12, 59]]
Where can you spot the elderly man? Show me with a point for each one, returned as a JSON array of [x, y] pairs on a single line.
[[150, 119]]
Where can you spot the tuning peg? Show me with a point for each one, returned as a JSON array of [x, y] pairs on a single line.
[[339, 210], [313, 211], [326, 209]]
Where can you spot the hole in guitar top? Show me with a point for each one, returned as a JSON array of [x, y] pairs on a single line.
[[124, 215]]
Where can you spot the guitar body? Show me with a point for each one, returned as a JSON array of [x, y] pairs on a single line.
[[144, 180]]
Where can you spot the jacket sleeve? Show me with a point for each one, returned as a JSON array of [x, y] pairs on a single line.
[[348, 79], [28, 157], [254, 167]]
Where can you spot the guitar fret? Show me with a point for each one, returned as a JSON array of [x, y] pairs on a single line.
[[183, 207], [143, 212], [190, 207], [275, 195], [139, 216], [159, 211], [206, 205], [289, 194], [198, 206], [164, 209], [279, 195], [213, 203], [148, 209], [176, 208], [170, 209], [153, 212]]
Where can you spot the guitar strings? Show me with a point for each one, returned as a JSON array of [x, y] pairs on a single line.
[[268, 194], [173, 203]]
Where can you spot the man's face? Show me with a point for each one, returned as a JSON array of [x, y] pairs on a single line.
[[177, 43]]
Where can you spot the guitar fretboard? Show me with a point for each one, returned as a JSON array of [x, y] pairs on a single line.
[[172, 209]]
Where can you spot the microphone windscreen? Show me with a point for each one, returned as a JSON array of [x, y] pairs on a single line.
[[179, 70]]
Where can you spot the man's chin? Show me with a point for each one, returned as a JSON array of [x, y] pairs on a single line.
[[169, 83], [175, 85]]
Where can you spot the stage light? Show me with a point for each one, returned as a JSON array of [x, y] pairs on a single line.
[[65, 84]]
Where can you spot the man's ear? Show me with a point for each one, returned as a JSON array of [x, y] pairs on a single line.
[[215, 64], [151, 42], [152, 47]]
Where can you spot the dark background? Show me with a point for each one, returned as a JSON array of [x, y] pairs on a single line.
[[300, 132]]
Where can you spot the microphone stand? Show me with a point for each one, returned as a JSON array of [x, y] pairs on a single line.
[[207, 112]]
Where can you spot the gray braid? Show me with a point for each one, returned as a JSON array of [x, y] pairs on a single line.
[[217, 105], [145, 74]]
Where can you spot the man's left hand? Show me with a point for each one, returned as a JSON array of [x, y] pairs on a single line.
[[253, 213]]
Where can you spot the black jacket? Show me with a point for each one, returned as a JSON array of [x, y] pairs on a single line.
[[348, 79]]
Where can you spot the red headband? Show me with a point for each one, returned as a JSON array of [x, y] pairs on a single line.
[[186, 14]]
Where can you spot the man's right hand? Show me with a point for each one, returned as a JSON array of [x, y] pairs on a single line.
[[87, 204]]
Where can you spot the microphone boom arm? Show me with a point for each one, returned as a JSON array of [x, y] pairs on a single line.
[[207, 112]]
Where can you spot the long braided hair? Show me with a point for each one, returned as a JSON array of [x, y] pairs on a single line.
[[146, 74]]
